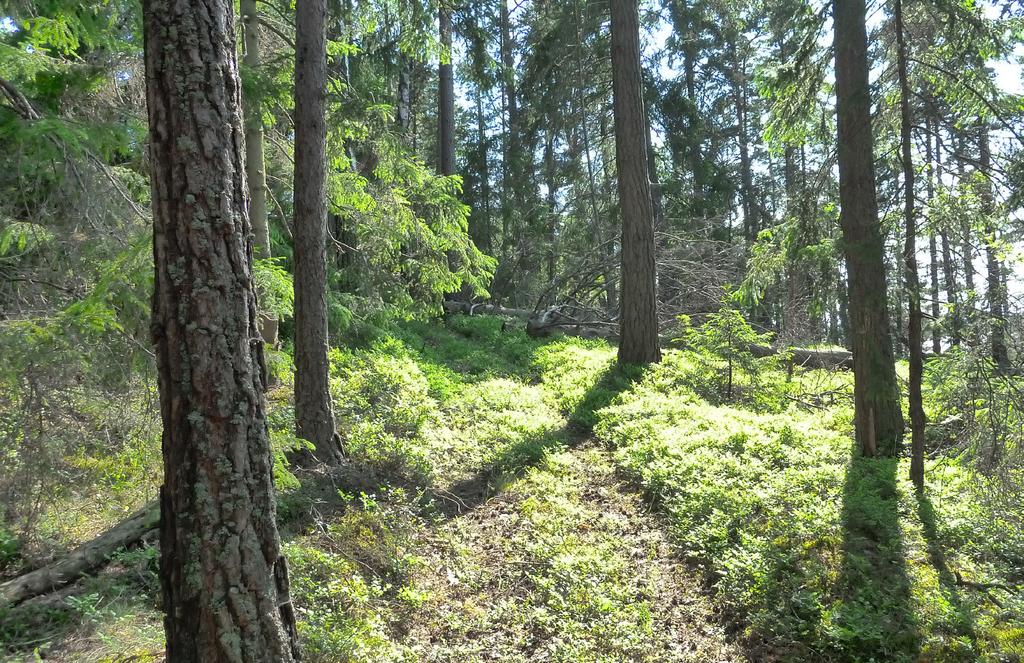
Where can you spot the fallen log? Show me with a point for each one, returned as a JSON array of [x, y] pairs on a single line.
[[83, 560], [827, 359], [553, 321], [485, 309]]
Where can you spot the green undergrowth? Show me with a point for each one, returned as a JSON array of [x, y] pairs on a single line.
[[808, 552], [817, 554]]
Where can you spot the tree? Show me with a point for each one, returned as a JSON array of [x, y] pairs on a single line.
[[877, 416], [225, 588], [913, 279], [638, 314], [995, 294], [314, 418], [446, 97], [255, 164]]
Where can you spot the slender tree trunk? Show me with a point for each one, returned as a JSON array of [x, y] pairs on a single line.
[[966, 249], [255, 165], [793, 318], [948, 266], [750, 221], [877, 415], [483, 234], [652, 175], [915, 331], [314, 418], [510, 158], [403, 110], [997, 320], [933, 246], [446, 97], [638, 322], [224, 580], [551, 175], [613, 217], [611, 291]]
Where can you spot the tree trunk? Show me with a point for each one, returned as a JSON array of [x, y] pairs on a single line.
[[933, 247], [403, 110], [997, 318], [551, 175], [483, 234], [610, 290], [877, 415], [913, 279], [445, 97], [255, 164], [225, 583], [966, 249], [314, 418], [638, 322], [509, 156]]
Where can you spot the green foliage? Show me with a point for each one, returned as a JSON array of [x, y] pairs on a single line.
[[284, 445], [336, 607], [273, 287], [383, 408], [819, 558], [726, 337]]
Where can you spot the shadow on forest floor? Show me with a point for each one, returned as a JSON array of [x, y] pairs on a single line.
[[875, 613], [469, 493]]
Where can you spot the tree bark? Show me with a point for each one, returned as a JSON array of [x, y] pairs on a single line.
[[551, 175], [225, 588], [913, 279], [877, 415], [314, 418], [255, 164], [933, 245], [638, 321], [482, 234], [997, 318], [510, 141], [403, 110], [446, 97]]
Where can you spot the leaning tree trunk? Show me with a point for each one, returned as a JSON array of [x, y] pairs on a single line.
[[913, 279], [314, 419], [225, 587], [877, 415], [638, 321]]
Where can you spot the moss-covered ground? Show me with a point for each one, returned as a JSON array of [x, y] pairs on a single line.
[[509, 499]]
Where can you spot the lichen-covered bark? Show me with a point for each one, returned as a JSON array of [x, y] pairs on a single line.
[[314, 419], [638, 315], [878, 418], [224, 580]]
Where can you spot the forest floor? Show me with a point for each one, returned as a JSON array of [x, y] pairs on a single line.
[[509, 499], [566, 563]]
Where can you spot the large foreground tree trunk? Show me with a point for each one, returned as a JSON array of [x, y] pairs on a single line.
[[314, 418], [638, 320], [878, 418], [225, 589]]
